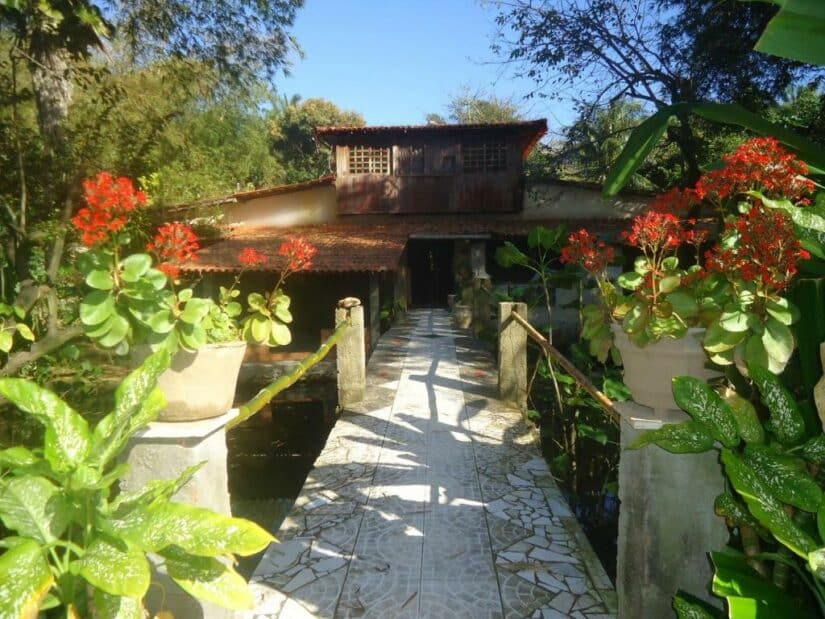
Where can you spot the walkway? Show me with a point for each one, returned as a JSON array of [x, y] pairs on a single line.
[[430, 499]]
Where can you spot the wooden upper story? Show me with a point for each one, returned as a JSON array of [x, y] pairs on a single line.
[[431, 168]]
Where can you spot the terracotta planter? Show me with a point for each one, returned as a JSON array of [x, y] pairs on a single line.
[[200, 384], [648, 370]]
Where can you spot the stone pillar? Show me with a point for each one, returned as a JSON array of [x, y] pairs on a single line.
[[375, 312], [350, 354], [666, 520], [512, 355], [162, 451]]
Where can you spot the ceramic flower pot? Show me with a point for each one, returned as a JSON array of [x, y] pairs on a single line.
[[200, 384], [648, 370]]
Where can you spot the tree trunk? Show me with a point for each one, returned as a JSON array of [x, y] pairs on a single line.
[[53, 89]]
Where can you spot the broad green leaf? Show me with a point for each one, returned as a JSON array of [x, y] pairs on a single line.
[[678, 438], [14, 457], [707, 407], [670, 283], [778, 340], [115, 571], [816, 563], [630, 280], [34, 507], [719, 340], [194, 529], [25, 332], [671, 263], [100, 279], [257, 329], [508, 255], [192, 337], [594, 434], [67, 433], [25, 579], [116, 607], [636, 320], [768, 510], [195, 311], [155, 279], [782, 310], [6, 341], [735, 320], [748, 594], [161, 321], [616, 390], [209, 579], [546, 238], [690, 607], [785, 478], [256, 300], [736, 514], [748, 425], [796, 32], [117, 331], [280, 335], [283, 314], [155, 491], [786, 421], [96, 307], [135, 266], [185, 295], [813, 450], [683, 304]]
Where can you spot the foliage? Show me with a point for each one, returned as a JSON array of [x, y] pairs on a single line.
[[467, 107], [292, 136], [75, 545], [771, 469]]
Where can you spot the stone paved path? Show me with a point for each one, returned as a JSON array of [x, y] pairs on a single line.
[[430, 499]]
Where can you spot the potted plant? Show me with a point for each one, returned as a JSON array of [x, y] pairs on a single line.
[[137, 302], [72, 544], [731, 298]]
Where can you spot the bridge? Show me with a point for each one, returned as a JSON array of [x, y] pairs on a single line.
[[431, 499]]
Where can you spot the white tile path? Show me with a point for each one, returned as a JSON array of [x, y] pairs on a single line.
[[430, 499]]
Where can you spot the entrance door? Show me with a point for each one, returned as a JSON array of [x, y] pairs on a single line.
[[431, 276]]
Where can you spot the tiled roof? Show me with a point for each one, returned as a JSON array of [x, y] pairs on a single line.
[[377, 246], [242, 196]]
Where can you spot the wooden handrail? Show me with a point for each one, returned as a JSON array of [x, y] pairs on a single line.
[[605, 402]]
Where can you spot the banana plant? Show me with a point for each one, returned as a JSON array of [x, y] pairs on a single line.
[[776, 502], [75, 545]]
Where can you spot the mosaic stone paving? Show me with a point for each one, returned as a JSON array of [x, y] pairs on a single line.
[[430, 499]]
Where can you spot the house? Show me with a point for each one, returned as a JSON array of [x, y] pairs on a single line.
[[410, 215]]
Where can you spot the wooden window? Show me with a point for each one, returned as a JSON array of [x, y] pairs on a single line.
[[369, 160], [410, 160], [484, 156]]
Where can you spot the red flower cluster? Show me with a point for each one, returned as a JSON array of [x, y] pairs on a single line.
[[675, 200], [760, 164], [766, 252], [586, 250], [109, 201], [251, 257], [299, 254], [655, 231], [174, 244]]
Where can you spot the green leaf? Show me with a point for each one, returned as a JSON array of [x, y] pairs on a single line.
[[813, 450], [782, 310], [67, 433], [155, 491], [280, 335], [768, 510], [616, 390], [101, 279], [728, 507], [735, 320], [256, 301], [116, 607], [18, 456], [25, 579], [785, 478], [786, 421], [684, 304], [135, 266], [678, 438], [34, 508], [161, 321], [257, 329], [283, 314], [630, 280], [816, 563], [778, 340], [155, 279], [594, 434], [748, 425], [6, 341], [671, 263], [194, 529], [748, 594], [118, 329], [690, 607], [195, 311], [185, 295], [192, 337], [209, 579], [796, 32], [636, 320], [719, 340], [697, 399], [25, 332], [508, 255], [96, 307], [670, 283], [546, 238], [115, 571]]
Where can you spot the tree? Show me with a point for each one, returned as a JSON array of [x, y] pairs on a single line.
[[292, 136], [468, 107], [652, 51]]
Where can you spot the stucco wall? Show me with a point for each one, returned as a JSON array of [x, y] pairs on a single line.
[[314, 205], [568, 201]]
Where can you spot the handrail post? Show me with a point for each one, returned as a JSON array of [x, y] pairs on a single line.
[[351, 354], [512, 355]]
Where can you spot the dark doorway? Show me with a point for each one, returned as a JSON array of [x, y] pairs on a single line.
[[431, 272]]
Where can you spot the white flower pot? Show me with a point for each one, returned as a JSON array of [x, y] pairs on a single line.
[[200, 384], [648, 370]]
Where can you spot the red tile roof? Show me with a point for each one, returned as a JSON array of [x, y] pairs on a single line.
[[377, 246], [242, 196]]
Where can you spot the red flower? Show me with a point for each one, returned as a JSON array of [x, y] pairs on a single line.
[[586, 250], [760, 164], [109, 201], [765, 249], [654, 231], [298, 252], [675, 201], [251, 257], [174, 244]]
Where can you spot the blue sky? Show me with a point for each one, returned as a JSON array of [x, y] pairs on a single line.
[[396, 60]]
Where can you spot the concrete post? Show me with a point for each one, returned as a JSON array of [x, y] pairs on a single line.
[[666, 520], [374, 311], [512, 355], [482, 300], [350, 354], [163, 451]]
